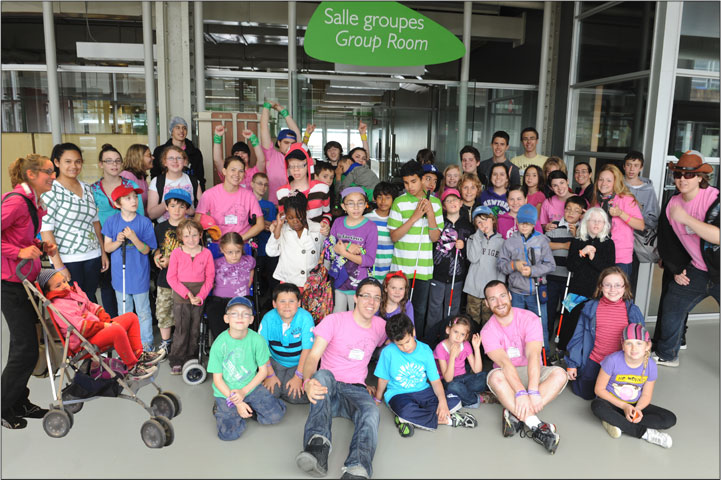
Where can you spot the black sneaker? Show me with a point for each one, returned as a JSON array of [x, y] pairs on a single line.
[[511, 424], [314, 458], [545, 435], [347, 475], [405, 429], [683, 343], [14, 422], [29, 410]]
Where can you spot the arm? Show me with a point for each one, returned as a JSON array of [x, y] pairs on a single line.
[[172, 275], [559, 246], [209, 276], [288, 120], [255, 229], [646, 394], [442, 409], [156, 208], [381, 388], [533, 354], [139, 244], [218, 151], [601, 392], [265, 140], [259, 377], [475, 360], [104, 262], [49, 237], [259, 155], [363, 130], [313, 388], [473, 248], [547, 263], [706, 231], [400, 232], [505, 263]]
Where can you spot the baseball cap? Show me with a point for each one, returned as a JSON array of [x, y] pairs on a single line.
[[527, 214], [122, 190], [482, 210], [178, 194], [287, 133], [209, 225], [450, 191], [349, 190], [242, 301]]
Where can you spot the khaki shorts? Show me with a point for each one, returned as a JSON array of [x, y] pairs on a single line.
[[523, 375], [164, 307]]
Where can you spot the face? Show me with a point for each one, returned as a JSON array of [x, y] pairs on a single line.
[[469, 192], [234, 173], [190, 237], [407, 344], [613, 287], [232, 252], [469, 163], [284, 145], [413, 184], [499, 146], [499, 179], [174, 161], [595, 224], [326, 176], [452, 204], [605, 183], [686, 185], [632, 168], [179, 133], [396, 289], [525, 228], [484, 223], [457, 333], [430, 181], [384, 202], [581, 174], [359, 156], [572, 213], [42, 180], [293, 220], [297, 168], [452, 177], [559, 187], [286, 303], [531, 177], [58, 282], [354, 204], [70, 163], [529, 140], [242, 154], [516, 199], [333, 154], [176, 209], [498, 300], [636, 349], [367, 301], [238, 317], [550, 168], [148, 159], [259, 186], [111, 164], [129, 202]]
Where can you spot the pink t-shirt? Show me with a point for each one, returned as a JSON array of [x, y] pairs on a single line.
[[536, 198], [229, 210], [275, 168], [525, 327], [442, 353], [350, 346], [552, 210], [697, 208], [621, 232]]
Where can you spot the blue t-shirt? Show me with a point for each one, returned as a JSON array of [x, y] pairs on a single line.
[[270, 211], [285, 347], [406, 372], [137, 265], [627, 383]]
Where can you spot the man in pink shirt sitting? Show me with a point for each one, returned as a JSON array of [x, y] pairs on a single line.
[[513, 338]]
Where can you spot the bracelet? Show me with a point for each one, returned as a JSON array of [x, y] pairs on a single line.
[[284, 113], [267, 105], [377, 400], [432, 228], [253, 140], [61, 269], [628, 219], [534, 392], [347, 246], [520, 393], [217, 138], [271, 375], [364, 136], [299, 374], [306, 137]]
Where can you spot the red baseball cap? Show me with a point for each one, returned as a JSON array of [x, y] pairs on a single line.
[[208, 223], [122, 190]]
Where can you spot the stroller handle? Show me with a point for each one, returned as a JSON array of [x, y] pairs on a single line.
[[18, 269]]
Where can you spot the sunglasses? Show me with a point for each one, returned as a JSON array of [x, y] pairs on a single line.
[[686, 175]]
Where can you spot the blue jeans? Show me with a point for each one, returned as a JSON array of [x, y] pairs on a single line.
[[268, 411], [627, 269], [439, 296], [351, 401], [585, 384], [142, 308], [87, 274], [419, 408], [528, 302], [468, 386], [678, 302]]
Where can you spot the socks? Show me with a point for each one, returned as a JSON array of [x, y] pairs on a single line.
[[532, 421]]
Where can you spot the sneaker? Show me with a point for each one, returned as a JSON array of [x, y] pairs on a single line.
[[176, 370], [165, 345], [148, 347], [463, 419], [511, 424], [488, 397], [405, 429], [139, 372], [546, 436], [14, 422], [665, 363], [683, 343], [612, 430], [314, 457], [351, 476], [653, 436], [151, 358], [29, 410]]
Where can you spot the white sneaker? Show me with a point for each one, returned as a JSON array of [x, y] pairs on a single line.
[[612, 430], [658, 438], [665, 363]]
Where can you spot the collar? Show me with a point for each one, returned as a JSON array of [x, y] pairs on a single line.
[[29, 191], [563, 223]]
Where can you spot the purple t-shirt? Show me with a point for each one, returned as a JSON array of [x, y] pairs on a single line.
[[627, 383], [525, 327], [350, 346], [233, 279], [442, 353], [364, 234]]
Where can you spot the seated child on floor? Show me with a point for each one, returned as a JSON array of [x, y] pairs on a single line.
[[404, 369], [237, 360], [92, 322]]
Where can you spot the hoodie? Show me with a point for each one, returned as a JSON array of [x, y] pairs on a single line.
[[358, 176], [18, 232], [86, 316], [482, 252], [317, 193], [647, 201], [517, 247]]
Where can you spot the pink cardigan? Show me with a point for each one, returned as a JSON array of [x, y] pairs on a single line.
[[183, 268]]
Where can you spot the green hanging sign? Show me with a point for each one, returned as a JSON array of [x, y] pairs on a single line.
[[378, 34]]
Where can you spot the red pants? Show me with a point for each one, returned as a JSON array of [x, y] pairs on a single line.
[[124, 336]]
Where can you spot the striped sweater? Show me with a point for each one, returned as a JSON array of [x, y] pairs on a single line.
[[318, 193]]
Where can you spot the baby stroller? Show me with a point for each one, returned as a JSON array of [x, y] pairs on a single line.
[[85, 375]]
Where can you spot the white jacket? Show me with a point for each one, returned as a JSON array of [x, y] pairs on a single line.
[[297, 255]]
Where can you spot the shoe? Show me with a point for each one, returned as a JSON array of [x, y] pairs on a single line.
[[612, 430], [462, 419], [653, 436], [665, 363], [546, 436], [148, 347], [151, 358], [683, 343], [29, 410], [314, 458], [511, 424], [165, 345], [488, 397], [405, 429], [14, 422], [351, 476], [474, 405], [139, 372], [176, 370]]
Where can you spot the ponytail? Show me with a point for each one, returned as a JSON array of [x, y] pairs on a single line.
[[18, 170]]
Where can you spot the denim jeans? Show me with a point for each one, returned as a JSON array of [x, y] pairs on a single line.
[[626, 268], [87, 274], [585, 384], [107, 294], [468, 386], [679, 300], [268, 411], [439, 296], [142, 308], [528, 302], [351, 401]]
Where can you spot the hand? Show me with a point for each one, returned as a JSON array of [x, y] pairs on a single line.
[[629, 411], [121, 237], [549, 226], [536, 403], [371, 390], [197, 301], [236, 396], [362, 128], [476, 341], [247, 134], [294, 387], [276, 106], [419, 211], [30, 253], [244, 410], [588, 250], [267, 225], [678, 214], [338, 171], [442, 412], [519, 264], [276, 226], [315, 390], [614, 211], [130, 234], [324, 228], [354, 249], [637, 415], [271, 383], [339, 248], [104, 262], [459, 244], [572, 372], [51, 249], [572, 229], [455, 350], [681, 278], [219, 130], [309, 129], [157, 258], [522, 407]]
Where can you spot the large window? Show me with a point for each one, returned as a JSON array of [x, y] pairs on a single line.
[[25, 102]]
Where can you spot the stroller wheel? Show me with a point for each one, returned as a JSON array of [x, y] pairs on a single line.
[[176, 401], [74, 407], [194, 374], [57, 423], [153, 434], [168, 427], [163, 405]]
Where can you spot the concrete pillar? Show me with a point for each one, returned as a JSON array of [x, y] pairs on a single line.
[[151, 113], [199, 56], [465, 66], [52, 72], [292, 60], [543, 76]]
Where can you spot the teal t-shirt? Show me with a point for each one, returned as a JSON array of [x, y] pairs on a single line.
[[237, 360]]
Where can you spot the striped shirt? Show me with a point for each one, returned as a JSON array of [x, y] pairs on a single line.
[[318, 200], [384, 251], [414, 251], [287, 341], [562, 234], [611, 319]]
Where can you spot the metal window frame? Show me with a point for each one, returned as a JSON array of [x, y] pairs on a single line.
[[583, 15]]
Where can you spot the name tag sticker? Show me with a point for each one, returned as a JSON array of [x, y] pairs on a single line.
[[231, 220], [356, 354], [513, 352]]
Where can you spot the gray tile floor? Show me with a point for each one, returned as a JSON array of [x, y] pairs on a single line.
[[105, 440]]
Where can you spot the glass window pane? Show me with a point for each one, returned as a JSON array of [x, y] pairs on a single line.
[[616, 40], [25, 102], [695, 117], [699, 44]]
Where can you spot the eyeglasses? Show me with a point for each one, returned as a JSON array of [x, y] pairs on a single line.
[[614, 286], [173, 159], [355, 204], [117, 161], [244, 315], [686, 175], [48, 171], [368, 296], [297, 167]]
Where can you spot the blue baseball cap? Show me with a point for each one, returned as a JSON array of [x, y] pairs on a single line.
[[178, 194], [482, 210], [242, 301], [527, 214], [287, 133]]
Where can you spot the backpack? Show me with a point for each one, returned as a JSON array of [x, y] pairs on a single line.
[[644, 245], [709, 251], [160, 186], [317, 296], [31, 209]]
